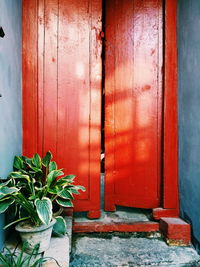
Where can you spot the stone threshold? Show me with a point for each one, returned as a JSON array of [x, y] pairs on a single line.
[[175, 231]]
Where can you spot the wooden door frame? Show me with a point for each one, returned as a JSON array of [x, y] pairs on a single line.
[[170, 202]]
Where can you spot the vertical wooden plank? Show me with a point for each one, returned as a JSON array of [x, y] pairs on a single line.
[[50, 77], [73, 90], [29, 69], [95, 106], [170, 108], [41, 39]]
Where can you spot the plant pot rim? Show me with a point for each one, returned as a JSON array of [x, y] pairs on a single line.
[[33, 229]]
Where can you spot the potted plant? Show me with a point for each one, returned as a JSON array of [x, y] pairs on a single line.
[[39, 191]]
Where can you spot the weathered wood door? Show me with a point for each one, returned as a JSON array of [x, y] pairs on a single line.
[[62, 80], [133, 103], [62, 89]]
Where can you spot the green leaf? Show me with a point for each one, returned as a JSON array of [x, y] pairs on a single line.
[[53, 190], [4, 205], [52, 166], [80, 187], [66, 180], [69, 177], [4, 191], [51, 177], [5, 183], [64, 202], [23, 212], [47, 158], [75, 189], [37, 161], [60, 226], [35, 169], [19, 175], [28, 161], [5, 198], [33, 197], [66, 194], [44, 209], [18, 163]]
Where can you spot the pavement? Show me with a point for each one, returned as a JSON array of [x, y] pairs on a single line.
[[129, 249]]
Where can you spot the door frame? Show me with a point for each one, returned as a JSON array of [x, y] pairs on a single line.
[[170, 127], [170, 200]]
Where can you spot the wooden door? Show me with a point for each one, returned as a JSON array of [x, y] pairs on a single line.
[[62, 89], [133, 103]]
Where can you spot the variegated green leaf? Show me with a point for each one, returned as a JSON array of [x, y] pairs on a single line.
[[44, 209], [36, 160], [27, 160], [4, 205], [65, 194], [19, 175], [47, 158], [8, 190], [64, 202], [18, 163], [60, 226], [66, 180], [51, 177], [5, 183], [73, 190], [53, 190], [52, 166], [80, 187]]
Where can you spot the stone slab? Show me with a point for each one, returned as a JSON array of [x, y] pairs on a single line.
[[111, 250]]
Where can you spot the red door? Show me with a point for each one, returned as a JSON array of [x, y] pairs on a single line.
[[62, 89], [133, 99], [62, 72]]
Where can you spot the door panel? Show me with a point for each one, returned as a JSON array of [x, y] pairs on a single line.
[[68, 91], [133, 103]]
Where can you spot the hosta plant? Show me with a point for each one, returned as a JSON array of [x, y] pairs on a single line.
[[39, 191]]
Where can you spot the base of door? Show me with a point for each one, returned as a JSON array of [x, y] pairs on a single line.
[[176, 231], [100, 227], [94, 214], [159, 213], [110, 207]]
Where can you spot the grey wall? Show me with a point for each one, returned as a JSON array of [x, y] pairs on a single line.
[[189, 113], [10, 87]]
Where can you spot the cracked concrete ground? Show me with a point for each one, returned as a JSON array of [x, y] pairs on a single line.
[[123, 250]]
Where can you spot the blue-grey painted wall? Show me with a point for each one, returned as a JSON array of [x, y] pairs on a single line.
[[189, 113], [10, 87]]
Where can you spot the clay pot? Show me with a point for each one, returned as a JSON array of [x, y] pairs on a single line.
[[34, 235]]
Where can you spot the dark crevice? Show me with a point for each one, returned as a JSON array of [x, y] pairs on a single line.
[[103, 90]]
